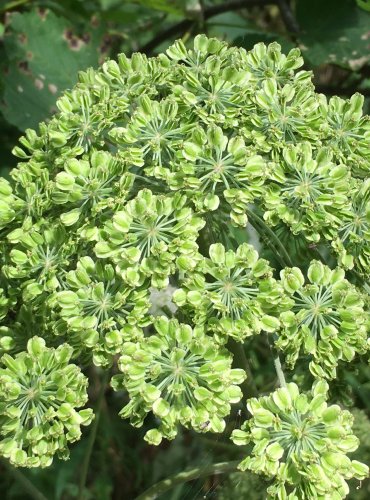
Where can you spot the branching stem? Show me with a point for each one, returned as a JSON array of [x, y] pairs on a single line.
[[91, 439], [209, 12], [248, 386], [30, 488], [287, 16], [263, 229], [279, 371], [183, 477]]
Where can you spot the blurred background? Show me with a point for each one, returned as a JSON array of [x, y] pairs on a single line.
[[43, 45]]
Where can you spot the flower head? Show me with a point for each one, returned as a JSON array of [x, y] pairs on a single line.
[[231, 293], [301, 443], [180, 375], [267, 61], [151, 233], [88, 187], [348, 132], [39, 394], [327, 319], [351, 241], [306, 190], [99, 310], [38, 258]]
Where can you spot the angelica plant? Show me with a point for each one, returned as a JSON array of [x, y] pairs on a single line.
[[126, 246]]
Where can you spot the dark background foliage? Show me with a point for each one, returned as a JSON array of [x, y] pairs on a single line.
[[43, 45]]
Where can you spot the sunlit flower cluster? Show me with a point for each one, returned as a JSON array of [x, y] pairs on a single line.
[[180, 375], [231, 293], [39, 394], [327, 320], [300, 442], [126, 244]]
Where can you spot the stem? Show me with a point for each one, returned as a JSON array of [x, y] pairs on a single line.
[[183, 26], [13, 5], [259, 224], [226, 447], [279, 371], [183, 477], [288, 17], [277, 365], [91, 439], [30, 488], [248, 387]]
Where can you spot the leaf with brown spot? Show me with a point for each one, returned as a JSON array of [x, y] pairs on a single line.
[[45, 54], [331, 30]]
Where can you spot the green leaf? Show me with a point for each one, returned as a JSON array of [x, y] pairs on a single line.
[[109, 4], [364, 4], [171, 6], [334, 32], [45, 55]]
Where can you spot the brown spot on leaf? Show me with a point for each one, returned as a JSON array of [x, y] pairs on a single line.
[[23, 66], [8, 18], [68, 34], [95, 21], [29, 55], [22, 37], [42, 12], [365, 36], [106, 44], [86, 37], [52, 88], [76, 43]]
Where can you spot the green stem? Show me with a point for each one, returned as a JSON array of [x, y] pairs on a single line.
[[259, 224], [183, 477], [279, 371], [240, 359], [13, 5], [277, 364], [213, 444], [263, 229], [91, 439], [32, 491]]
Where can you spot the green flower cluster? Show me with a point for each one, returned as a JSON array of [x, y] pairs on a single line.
[[327, 321], [98, 310], [181, 376], [5, 304], [39, 394], [143, 149], [231, 293], [119, 214], [352, 241], [38, 259], [150, 236], [301, 443], [306, 192]]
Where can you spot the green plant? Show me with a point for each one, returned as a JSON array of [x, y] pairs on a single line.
[[143, 183]]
